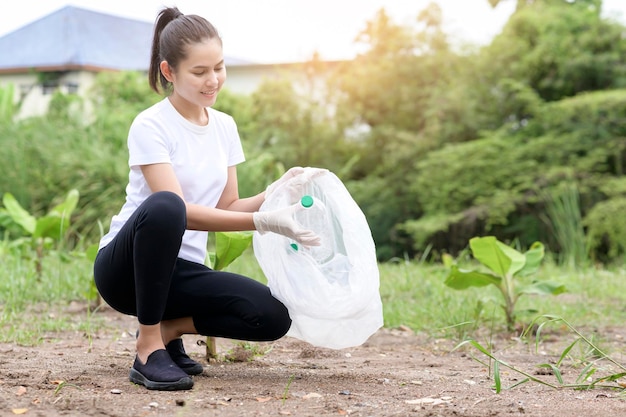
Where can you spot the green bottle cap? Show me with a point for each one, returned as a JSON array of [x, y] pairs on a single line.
[[294, 246], [306, 201]]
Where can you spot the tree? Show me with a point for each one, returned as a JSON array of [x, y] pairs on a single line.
[[558, 48]]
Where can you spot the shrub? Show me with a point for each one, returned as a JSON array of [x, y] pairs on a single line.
[[606, 229]]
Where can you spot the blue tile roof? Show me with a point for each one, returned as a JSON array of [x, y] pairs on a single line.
[[74, 38]]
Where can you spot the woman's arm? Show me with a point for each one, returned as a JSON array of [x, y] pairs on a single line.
[[231, 214], [230, 197]]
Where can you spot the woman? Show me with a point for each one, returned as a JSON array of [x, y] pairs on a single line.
[[183, 183]]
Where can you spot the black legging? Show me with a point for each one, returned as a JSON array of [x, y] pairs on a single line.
[[139, 273]]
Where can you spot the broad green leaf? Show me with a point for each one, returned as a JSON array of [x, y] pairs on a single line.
[[460, 280], [534, 256], [518, 260], [542, 288], [229, 246], [66, 208], [18, 214], [496, 256], [49, 226]]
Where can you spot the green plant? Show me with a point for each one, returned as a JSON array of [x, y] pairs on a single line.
[[245, 352], [286, 391], [606, 229], [564, 217], [7, 106], [584, 378], [506, 265], [43, 231], [228, 247]]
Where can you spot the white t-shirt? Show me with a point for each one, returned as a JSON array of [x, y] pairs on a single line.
[[200, 156]]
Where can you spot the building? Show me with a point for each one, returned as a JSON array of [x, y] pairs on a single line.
[[66, 49]]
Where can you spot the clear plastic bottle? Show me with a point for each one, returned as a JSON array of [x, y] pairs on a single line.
[[314, 217]]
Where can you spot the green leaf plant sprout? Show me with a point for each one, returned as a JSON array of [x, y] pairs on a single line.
[[42, 231], [228, 247], [506, 268], [586, 378]]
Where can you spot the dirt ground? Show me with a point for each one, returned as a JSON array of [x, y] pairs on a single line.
[[396, 373]]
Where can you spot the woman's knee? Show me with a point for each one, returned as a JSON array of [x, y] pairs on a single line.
[[277, 320], [166, 207]]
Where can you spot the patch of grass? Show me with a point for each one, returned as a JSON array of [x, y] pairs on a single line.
[[33, 305], [413, 295], [592, 362]]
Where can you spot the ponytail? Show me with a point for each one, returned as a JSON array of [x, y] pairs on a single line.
[[155, 78], [173, 31]]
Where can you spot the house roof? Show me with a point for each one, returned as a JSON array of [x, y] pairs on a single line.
[[73, 38]]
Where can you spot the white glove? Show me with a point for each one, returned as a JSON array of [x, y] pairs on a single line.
[[292, 172], [293, 182], [281, 221]]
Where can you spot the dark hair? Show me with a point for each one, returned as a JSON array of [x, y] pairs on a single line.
[[173, 32]]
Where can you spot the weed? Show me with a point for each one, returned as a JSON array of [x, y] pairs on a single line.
[[286, 391], [63, 384], [507, 267], [245, 352], [584, 379]]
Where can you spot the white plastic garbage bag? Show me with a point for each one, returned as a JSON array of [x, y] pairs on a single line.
[[332, 290]]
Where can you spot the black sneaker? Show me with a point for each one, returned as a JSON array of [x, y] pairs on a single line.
[[160, 373], [177, 352]]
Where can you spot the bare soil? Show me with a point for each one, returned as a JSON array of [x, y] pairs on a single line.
[[396, 373]]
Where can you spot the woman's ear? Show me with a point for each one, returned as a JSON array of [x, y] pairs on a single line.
[[166, 70]]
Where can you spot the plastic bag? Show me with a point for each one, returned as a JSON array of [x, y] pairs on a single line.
[[331, 291]]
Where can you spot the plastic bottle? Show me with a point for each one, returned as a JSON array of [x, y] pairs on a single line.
[[314, 217]]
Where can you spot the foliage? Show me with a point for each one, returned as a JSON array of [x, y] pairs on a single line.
[[507, 267], [66, 107], [606, 230], [228, 247], [383, 86], [559, 49], [7, 105], [296, 127], [436, 143], [239, 106], [588, 366], [117, 97], [413, 294], [41, 232], [496, 184], [564, 218]]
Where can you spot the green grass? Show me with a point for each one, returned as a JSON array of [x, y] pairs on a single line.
[[32, 307], [413, 295]]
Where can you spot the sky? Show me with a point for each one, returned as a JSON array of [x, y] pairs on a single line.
[[271, 31]]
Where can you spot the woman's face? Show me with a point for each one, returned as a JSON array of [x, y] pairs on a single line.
[[200, 76]]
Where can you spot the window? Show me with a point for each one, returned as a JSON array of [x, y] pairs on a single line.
[[72, 88], [49, 87]]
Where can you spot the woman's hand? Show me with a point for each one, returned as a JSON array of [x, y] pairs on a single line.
[[293, 181], [281, 221]]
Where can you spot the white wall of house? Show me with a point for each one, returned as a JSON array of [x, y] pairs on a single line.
[[245, 79], [34, 96]]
